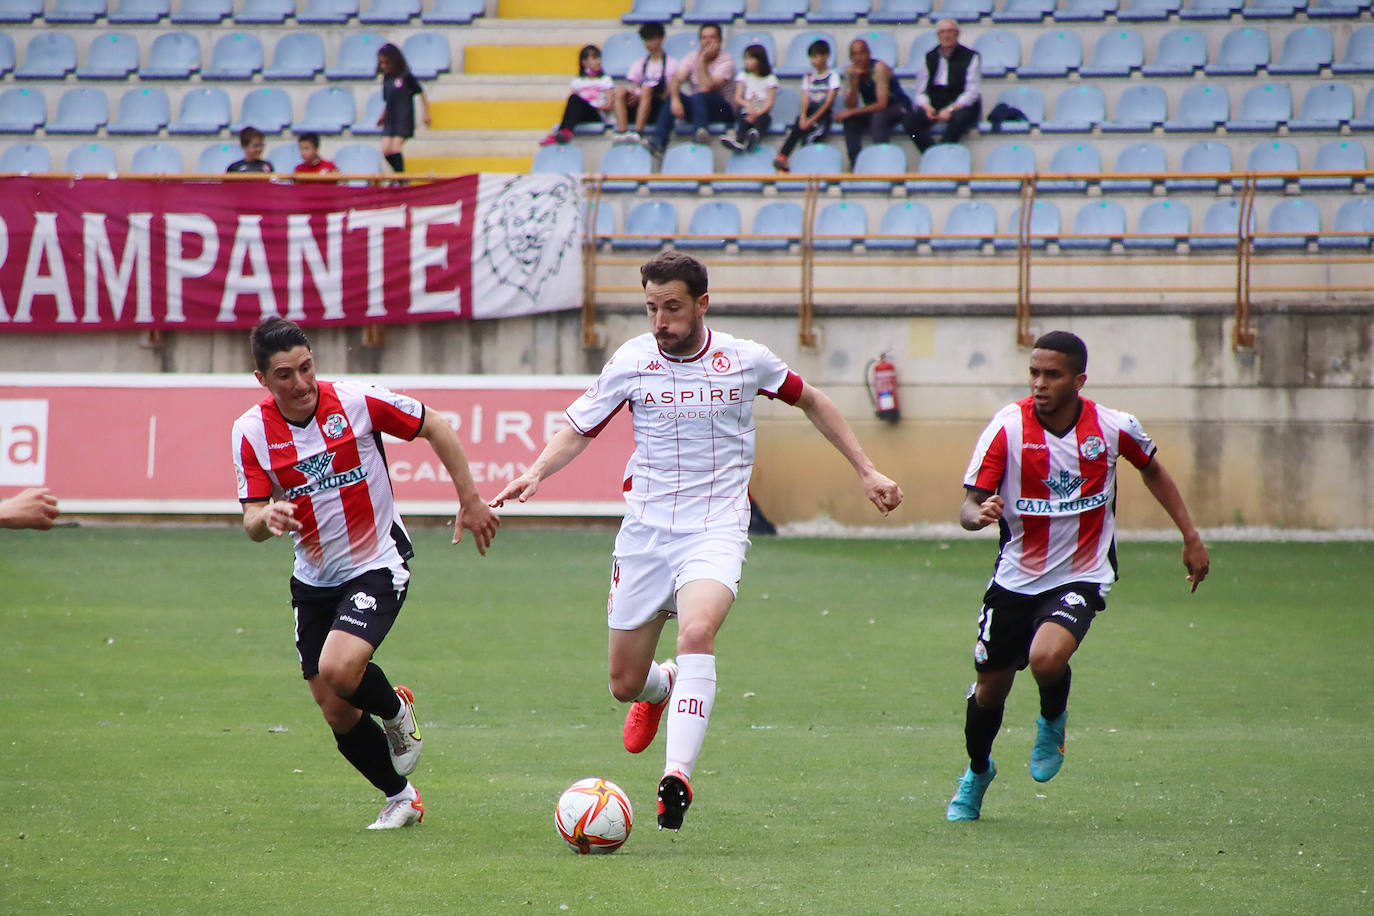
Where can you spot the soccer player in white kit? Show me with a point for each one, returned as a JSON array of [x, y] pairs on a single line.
[[309, 461], [1044, 470], [690, 390]]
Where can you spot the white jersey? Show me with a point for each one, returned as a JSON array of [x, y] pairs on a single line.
[[334, 472], [694, 427], [1059, 493]]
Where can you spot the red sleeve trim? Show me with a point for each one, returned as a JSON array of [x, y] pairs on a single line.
[[790, 391], [595, 430]]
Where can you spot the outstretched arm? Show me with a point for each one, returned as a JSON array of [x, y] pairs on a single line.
[[882, 491], [565, 445], [32, 508], [1161, 485], [473, 514]]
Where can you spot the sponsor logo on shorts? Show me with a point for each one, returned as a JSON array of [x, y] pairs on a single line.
[[353, 620], [1073, 599], [1066, 615], [334, 425], [1091, 447], [363, 601], [980, 652]]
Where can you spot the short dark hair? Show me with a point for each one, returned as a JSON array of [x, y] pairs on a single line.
[[1074, 350], [710, 25], [248, 135], [273, 336], [667, 266], [651, 30], [819, 46], [309, 137]]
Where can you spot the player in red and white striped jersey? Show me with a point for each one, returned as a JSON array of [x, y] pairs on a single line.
[[309, 461], [1045, 471], [690, 391]]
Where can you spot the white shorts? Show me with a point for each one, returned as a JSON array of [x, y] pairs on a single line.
[[650, 565]]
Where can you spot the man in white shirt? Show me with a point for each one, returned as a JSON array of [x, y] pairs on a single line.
[[947, 89]]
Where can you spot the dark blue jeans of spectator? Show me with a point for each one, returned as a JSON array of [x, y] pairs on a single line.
[[879, 123], [701, 108]]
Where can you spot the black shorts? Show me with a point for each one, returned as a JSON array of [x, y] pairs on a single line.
[[1008, 621], [365, 606]]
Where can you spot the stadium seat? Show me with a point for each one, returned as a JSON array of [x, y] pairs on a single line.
[[1306, 50], [653, 11], [962, 10], [1147, 10], [203, 111], [20, 10], [112, 56], [1263, 108], [1219, 226], [782, 12], [878, 159], [1007, 159], [916, 53], [390, 12], [366, 159], [795, 61], [367, 126], [327, 111], [157, 159], [839, 226], [1209, 9], [1207, 156], [1325, 107], [1300, 220], [129, 12], [1359, 52], [839, 11], [558, 159], [999, 49], [1024, 11], [1077, 110], [786, 110], [80, 111], [33, 159], [624, 159], [202, 12], [1337, 156], [49, 55], [736, 45], [285, 157], [1139, 109], [1201, 108], [1334, 9], [8, 59], [268, 109], [654, 219], [969, 226], [1366, 119], [454, 12], [1167, 219], [173, 56], [1270, 156], [1138, 157], [1029, 100], [91, 159], [759, 162], [717, 221], [75, 12], [297, 56], [1180, 52], [1071, 159], [1085, 10], [327, 12], [903, 226], [1272, 9], [1242, 53], [941, 159], [265, 12], [678, 45], [899, 12], [357, 59], [1044, 227], [621, 51], [235, 56], [882, 45], [813, 159], [1116, 53], [780, 219], [692, 159], [427, 53], [217, 157], [142, 110], [1096, 226], [1356, 215], [720, 12], [1056, 53], [22, 110], [599, 221]]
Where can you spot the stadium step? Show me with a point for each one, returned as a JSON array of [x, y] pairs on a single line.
[[559, 9], [558, 60], [496, 114], [466, 165]]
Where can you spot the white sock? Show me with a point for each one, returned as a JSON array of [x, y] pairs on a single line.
[[406, 794], [655, 688], [688, 714]]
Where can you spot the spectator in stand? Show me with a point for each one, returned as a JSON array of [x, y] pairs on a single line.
[[873, 100], [947, 89], [592, 92], [708, 71], [399, 88], [311, 163], [819, 89], [648, 80], [250, 138], [755, 91]]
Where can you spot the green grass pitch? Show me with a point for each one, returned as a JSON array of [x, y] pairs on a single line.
[[161, 754]]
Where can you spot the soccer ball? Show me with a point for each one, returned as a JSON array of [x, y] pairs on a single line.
[[594, 815]]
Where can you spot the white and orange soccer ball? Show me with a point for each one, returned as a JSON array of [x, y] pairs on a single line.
[[594, 815]]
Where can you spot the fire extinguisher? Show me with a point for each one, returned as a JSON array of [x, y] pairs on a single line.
[[881, 377]]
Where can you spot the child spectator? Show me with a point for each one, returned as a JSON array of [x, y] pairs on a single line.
[[648, 80], [311, 163], [399, 88], [250, 138], [755, 90], [591, 95], [819, 89]]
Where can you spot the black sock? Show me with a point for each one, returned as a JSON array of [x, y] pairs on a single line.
[[396, 161], [1055, 698], [375, 694], [365, 747], [981, 726]]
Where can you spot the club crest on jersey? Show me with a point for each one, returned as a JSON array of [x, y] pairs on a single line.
[[334, 425], [1065, 485], [1091, 447], [720, 362]]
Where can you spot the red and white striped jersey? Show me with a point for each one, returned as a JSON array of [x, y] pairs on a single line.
[[1059, 493], [694, 427], [333, 469]]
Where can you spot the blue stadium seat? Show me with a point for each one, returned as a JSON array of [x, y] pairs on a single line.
[[786, 109], [1306, 50], [91, 159], [1138, 157], [157, 159], [1263, 108], [1209, 9], [203, 111], [1201, 108], [128, 12], [1029, 100], [202, 12], [717, 221], [838, 11], [1272, 9], [795, 62], [1168, 220], [736, 45], [1007, 159], [678, 45], [653, 11], [1337, 156], [366, 159], [1270, 156], [390, 12], [297, 56], [1219, 226], [780, 11], [327, 12], [1139, 109], [454, 12], [75, 12], [624, 159], [8, 59], [112, 56], [217, 157], [654, 219], [142, 110], [1359, 52], [558, 159], [284, 157], [692, 159], [173, 56], [962, 10], [20, 10], [1300, 221], [878, 159], [999, 49], [367, 126], [969, 226], [1071, 159], [721, 12], [265, 12], [895, 12], [1325, 107], [621, 51], [759, 162], [33, 159], [599, 221], [1044, 227], [1024, 11], [1096, 226], [882, 45], [49, 55], [1355, 215], [1366, 119], [1148, 10], [1180, 52], [843, 224], [1077, 110], [813, 159], [22, 110], [80, 111], [428, 54], [268, 109], [357, 59], [916, 53], [941, 159], [1056, 53], [1242, 53], [1334, 9], [327, 111], [1085, 10], [903, 226], [235, 56], [1116, 53], [781, 219], [1207, 156]]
